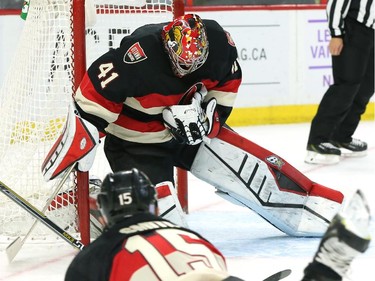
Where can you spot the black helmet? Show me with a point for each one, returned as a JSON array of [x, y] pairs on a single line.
[[124, 194]]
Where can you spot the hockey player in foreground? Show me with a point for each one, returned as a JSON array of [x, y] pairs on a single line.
[[139, 245], [162, 99]]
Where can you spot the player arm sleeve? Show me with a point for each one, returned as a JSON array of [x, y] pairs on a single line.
[[336, 15], [101, 94], [98, 122], [225, 92]]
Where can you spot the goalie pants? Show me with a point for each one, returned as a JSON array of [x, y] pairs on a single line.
[[157, 160]]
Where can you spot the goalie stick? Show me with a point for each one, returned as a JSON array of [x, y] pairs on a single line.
[[40, 216], [14, 247]]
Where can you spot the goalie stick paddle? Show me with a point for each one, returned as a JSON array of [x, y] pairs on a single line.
[[279, 275], [14, 247], [40, 216]]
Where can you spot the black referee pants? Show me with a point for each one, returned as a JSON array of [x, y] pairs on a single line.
[[341, 107]]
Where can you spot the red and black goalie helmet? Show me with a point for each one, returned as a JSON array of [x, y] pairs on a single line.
[[185, 41]]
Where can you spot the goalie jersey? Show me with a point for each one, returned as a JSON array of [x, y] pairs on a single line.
[[125, 90], [145, 247]]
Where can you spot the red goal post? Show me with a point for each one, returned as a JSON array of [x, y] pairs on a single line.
[[59, 39]]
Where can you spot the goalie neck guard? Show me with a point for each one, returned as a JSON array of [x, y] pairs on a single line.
[[124, 194], [185, 41]]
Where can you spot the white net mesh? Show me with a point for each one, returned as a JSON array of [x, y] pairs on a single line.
[[36, 92], [33, 100]]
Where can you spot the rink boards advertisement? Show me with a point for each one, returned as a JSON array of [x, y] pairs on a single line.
[[283, 54]]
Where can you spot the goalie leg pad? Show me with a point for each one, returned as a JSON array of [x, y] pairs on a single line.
[[267, 185], [169, 206]]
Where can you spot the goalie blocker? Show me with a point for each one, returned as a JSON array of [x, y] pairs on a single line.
[[76, 144], [251, 176]]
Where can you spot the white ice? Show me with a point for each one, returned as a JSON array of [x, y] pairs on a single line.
[[254, 249]]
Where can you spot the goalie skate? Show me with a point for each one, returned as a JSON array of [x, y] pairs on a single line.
[[97, 222], [169, 205]]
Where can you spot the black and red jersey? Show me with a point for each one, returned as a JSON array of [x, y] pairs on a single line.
[[125, 90], [144, 247]]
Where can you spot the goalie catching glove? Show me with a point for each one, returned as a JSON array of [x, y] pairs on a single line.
[[191, 123]]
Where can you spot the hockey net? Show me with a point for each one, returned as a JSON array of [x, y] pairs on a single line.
[[36, 92]]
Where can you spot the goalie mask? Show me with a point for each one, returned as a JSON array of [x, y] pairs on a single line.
[[124, 194], [185, 41]]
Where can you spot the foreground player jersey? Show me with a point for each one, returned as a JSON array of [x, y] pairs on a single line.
[[144, 247], [125, 90]]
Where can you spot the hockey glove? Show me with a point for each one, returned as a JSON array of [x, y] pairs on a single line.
[[77, 144], [190, 123]]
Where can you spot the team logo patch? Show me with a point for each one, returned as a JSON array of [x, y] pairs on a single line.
[[276, 161], [134, 54], [230, 40]]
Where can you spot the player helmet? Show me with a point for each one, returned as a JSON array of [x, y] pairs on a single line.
[[185, 41], [124, 194]]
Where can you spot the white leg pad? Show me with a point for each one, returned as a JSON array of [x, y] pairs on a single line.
[[247, 180], [169, 205]]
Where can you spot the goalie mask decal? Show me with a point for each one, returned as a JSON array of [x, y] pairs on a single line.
[[134, 54], [276, 161], [185, 41]]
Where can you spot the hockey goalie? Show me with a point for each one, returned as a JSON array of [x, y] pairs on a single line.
[[162, 100]]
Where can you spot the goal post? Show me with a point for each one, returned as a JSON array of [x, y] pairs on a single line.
[[182, 176], [54, 49], [79, 49]]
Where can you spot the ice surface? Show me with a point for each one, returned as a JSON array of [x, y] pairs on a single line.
[[254, 249]]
